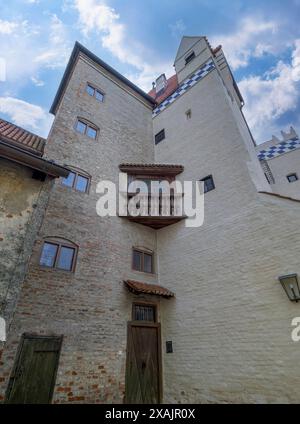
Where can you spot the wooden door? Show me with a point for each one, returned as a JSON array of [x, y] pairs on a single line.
[[34, 373], [143, 369]]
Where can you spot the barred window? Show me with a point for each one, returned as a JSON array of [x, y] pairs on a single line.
[[141, 312]]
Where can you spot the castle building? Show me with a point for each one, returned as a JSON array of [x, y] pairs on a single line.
[[145, 309]]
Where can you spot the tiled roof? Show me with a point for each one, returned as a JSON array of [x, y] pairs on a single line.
[[277, 150], [22, 138], [205, 69], [172, 85], [151, 168], [151, 165], [138, 287]]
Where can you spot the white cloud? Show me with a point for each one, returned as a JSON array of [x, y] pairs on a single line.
[[253, 38], [37, 82], [56, 53], [7, 27], [270, 96], [26, 115], [178, 28], [98, 16], [31, 47]]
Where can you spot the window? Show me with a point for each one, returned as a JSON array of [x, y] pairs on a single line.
[[159, 136], [142, 261], [59, 254], [94, 92], [87, 129], [77, 180], [141, 312], [189, 58], [292, 178], [208, 183]]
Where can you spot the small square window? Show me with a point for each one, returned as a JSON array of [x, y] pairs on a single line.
[[65, 259], [69, 181], [48, 254], [159, 136], [147, 263], [189, 58], [91, 132], [137, 260], [99, 96], [59, 255], [77, 181], [292, 178], [142, 261], [208, 183], [90, 90], [81, 183], [81, 127]]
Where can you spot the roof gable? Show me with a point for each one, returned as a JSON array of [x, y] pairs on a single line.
[[186, 44], [79, 48]]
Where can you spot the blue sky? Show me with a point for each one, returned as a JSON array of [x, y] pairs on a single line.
[[261, 39]]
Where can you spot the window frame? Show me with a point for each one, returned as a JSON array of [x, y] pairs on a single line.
[[293, 174], [147, 304], [143, 252], [81, 173], [157, 134], [96, 89], [189, 57], [59, 242], [87, 124], [213, 183]]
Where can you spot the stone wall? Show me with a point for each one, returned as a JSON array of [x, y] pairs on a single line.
[[91, 306]]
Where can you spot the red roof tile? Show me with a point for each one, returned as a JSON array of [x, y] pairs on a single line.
[[172, 85], [22, 138], [138, 288]]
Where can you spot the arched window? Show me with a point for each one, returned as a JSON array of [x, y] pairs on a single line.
[[83, 126], [78, 179], [59, 253]]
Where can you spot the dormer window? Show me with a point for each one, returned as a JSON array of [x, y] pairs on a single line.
[[190, 57], [94, 92], [161, 84]]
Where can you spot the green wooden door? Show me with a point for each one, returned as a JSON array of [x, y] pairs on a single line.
[[33, 377], [143, 364]]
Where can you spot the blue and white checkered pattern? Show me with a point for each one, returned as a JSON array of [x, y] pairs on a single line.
[[197, 76], [279, 149]]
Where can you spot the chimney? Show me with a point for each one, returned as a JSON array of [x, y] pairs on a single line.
[[161, 83]]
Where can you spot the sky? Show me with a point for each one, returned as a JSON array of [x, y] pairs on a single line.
[[260, 38]]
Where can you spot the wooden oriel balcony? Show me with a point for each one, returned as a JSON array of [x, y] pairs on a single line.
[[159, 209]]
